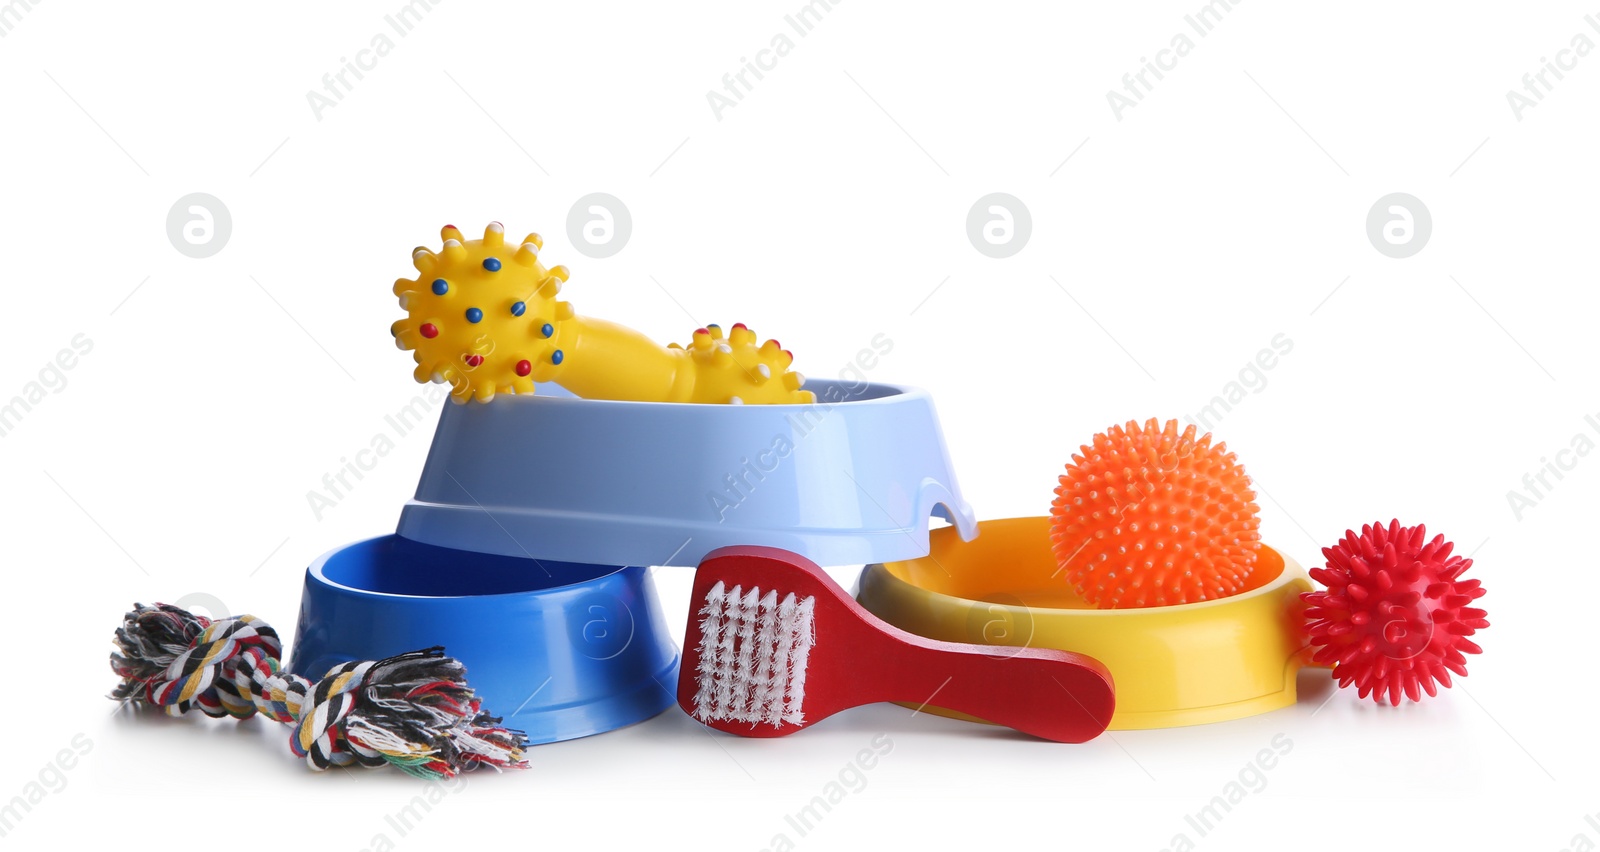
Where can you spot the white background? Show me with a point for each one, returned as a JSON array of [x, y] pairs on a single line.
[[1226, 208]]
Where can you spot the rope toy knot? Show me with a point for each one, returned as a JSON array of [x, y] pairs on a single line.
[[413, 710]]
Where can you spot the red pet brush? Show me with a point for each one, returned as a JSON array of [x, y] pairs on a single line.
[[777, 645], [1394, 618]]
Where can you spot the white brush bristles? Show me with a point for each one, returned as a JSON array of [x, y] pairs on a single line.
[[753, 653]]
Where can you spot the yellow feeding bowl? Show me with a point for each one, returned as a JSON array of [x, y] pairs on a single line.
[[1173, 665]]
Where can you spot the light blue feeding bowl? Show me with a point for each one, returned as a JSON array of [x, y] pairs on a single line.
[[851, 479], [559, 649]]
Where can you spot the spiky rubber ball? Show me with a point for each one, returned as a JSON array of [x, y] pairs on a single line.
[[1395, 617], [1147, 516]]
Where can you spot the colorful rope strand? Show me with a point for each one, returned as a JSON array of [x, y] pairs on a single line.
[[413, 710]]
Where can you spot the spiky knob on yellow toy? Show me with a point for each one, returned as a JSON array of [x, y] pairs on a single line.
[[483, 316]]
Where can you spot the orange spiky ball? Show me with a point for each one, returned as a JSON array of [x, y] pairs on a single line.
[[1146, 516]]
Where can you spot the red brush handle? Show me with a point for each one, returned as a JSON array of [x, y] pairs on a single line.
[[859, 659], [1055, 695]]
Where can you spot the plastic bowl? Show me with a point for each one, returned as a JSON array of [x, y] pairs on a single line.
[[1175, 665], [850, 479], [560, 650]]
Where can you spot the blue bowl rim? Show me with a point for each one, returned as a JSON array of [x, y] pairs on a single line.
[[316, 573], [882, 393]]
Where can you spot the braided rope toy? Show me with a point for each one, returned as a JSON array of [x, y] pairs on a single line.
[[414, 710]]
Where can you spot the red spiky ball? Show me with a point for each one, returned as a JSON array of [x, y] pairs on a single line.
[[1395, 616], [1146, 516]]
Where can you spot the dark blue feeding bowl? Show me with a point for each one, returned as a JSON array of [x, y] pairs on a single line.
[[560, 649]]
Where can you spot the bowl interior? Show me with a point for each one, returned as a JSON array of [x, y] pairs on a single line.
[[828, 391], [393, 565], [1015, 564]]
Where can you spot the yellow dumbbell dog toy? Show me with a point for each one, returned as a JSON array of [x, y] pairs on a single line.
[[483, 316]]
